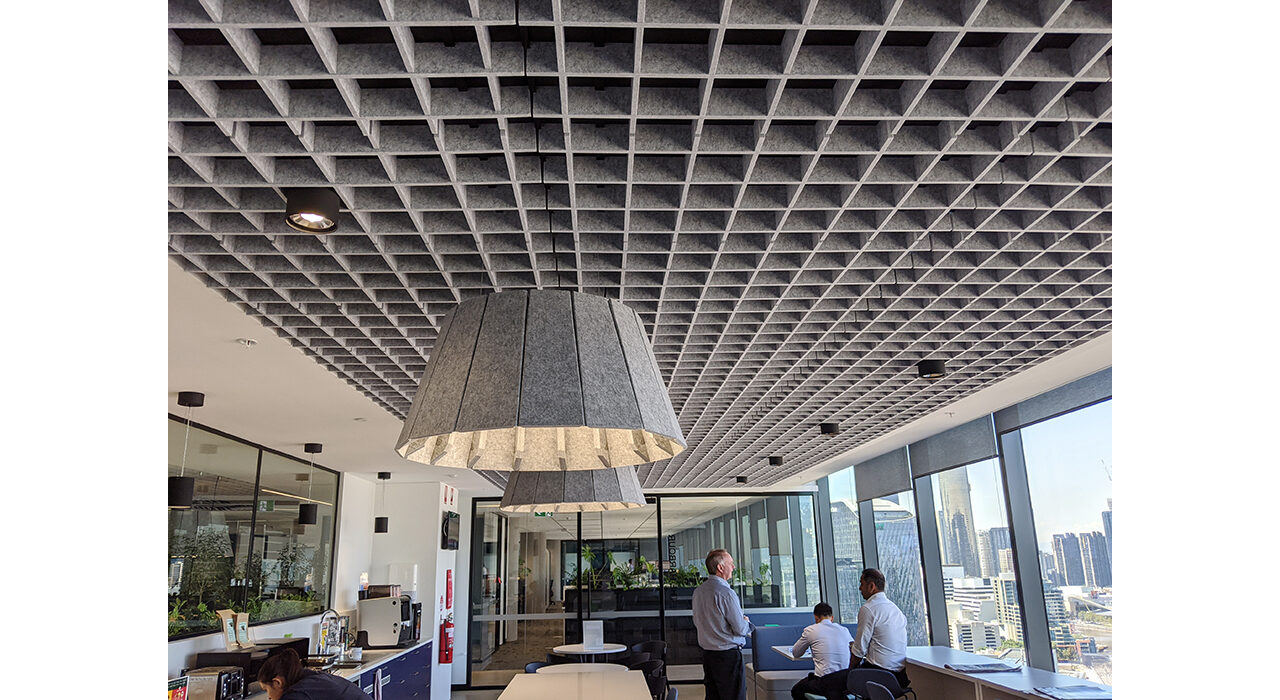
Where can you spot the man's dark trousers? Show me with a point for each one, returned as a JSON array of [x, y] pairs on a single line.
[[830, 686], [722, 674]]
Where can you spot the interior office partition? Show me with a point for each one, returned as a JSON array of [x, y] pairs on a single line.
[[536, 577]]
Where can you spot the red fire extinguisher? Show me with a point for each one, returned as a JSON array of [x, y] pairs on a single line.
[[446, 640]]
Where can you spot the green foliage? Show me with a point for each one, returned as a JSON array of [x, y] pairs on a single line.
[[206, 565], [688, 577], [1010, 644]]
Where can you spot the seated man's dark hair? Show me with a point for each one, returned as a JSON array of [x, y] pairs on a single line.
[[822, 610]]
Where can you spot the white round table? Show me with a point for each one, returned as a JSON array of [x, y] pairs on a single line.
[[581, 668], [580, 650]]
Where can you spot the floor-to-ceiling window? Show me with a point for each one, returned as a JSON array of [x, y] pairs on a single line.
[[979, 580], [898, 548], [846, 532], [1068, 463]]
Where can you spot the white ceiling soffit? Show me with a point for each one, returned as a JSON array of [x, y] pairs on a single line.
[[273, 395], [800, 200]]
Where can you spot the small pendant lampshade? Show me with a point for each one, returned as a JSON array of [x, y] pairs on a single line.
[[182, 488], [573, 491], [541, 380], [182, 492], [380, 522], [308, 513]]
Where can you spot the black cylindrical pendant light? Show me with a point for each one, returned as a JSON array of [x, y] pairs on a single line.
[[829, 428], [182, 492], [308, 513], [775, 461], [312, 210], [931, 369], [380, 522], [182, 488]]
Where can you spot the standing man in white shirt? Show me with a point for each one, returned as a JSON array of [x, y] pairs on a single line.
[[881, 641], [830, 644]]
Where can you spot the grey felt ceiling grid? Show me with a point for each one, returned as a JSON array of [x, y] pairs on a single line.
[[800, 199]]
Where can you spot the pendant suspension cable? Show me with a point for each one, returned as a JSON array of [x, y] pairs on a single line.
[[185, 441]]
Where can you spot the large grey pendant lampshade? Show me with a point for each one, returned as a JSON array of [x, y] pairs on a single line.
[[541, 380], [578, 490]]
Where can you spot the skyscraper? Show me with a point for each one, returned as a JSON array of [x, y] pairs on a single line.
[[1066, 552], [1106, 528], [848, 555], [898, 544], [1005, 557], [1096, 561], [990, 542], [960, 540]]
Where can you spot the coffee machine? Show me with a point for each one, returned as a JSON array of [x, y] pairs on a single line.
[[387, 623]]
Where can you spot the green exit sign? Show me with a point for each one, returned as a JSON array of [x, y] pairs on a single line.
[[265, 506], [542, 515]]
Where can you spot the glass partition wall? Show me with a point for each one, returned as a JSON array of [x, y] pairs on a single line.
[[635, 570], [240, 546]]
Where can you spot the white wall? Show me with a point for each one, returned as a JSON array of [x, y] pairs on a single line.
[[416, 513], [462, 591], [355, 540]]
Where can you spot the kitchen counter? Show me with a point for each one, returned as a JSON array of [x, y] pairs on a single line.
[[372, 659]]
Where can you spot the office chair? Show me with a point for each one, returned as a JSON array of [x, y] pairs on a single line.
[[533, 666], [856, 684], [648, 667], [632, 658], [655, 648], [673, 693], [875, 691]]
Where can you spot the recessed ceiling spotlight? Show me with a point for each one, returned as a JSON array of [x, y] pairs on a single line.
[[931, 369], [247, 342], [742, 480], [829, 428], [775, 461], [312, 210]]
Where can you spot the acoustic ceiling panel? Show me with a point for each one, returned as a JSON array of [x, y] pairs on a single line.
[[800, 199]]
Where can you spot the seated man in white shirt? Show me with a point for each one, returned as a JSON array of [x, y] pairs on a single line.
[[830, 645], [881, 641]]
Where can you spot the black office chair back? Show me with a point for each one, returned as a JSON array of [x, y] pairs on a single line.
[[860, 678], [655, 648], [634, 657], [533, 666], [651, 667], [875, 691]]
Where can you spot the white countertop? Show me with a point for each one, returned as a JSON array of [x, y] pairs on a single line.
[[615, 685], [1025, 680]]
